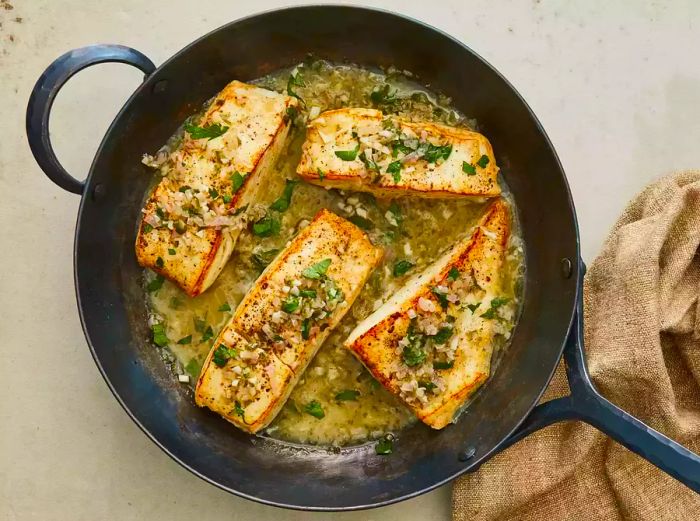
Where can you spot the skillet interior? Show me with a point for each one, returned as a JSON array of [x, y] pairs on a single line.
[[111, 299]]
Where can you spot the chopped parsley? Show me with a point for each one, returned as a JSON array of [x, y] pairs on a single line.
[[237, 180], [208, 334], [347, 395], [394, 169], [238, 409], [361, 222], [321, 174], [159, 262], [401, 267], [194, 367], [396, 212], [175, 303], [306, 328], [171, 251], [213, 193], [314, 409], [369, 164], [443, 335], [384, 446], [290, 305], [413, 354], [185, 340], [473, 307], [223, 354], [155, 284], [295, 80], [199, 325], [348, 155], [308, 293], [468, 168], [442, 297], [493, 308], [224, 307], [206, 132], [437, 364], [159, 337], [267, 226], [483, 161], [318, 270], [428, 386], [281, 204], [147, 228], [453, 274], [262, 258], [227, 198], [383, 95], [435, 152]]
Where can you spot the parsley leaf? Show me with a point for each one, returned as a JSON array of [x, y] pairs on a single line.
[[308, 293], [295, 80], [159, 262], [213, 193], [222, 355], [206, 132], [237, 180], [208, 334], [171, 251], [306, 328], [267, 226], [290, 305], [185, 340], [384, 446], [347, 395], [453, 274], [361, 222], [369, 164], [394, 169], [285, 200], [238, 409], [262, 258], [437, 364], [396, 212], [401, 267], [443, 335], [483, 161], [194, 367], [496, 303], [442, 297], [224, 307], [147, 228], [348, 155], [321, 174], [435, 153], [468, 168], [314, 409], [318, 270], [382, 95], [428, 386], [155, 284], [159, 337], [473, 307]]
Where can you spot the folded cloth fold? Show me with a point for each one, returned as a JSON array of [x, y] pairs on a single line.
[[642, 340]]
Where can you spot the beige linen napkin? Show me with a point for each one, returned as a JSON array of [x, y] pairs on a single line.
[[642, 337]]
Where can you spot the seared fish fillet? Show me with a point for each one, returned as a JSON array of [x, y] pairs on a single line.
[[192, 219], [431, 342], [361, 149], [283, 320]]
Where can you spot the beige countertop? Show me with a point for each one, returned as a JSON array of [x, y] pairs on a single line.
[[616, 84]]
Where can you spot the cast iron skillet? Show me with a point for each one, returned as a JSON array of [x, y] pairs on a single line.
[[111, 300]]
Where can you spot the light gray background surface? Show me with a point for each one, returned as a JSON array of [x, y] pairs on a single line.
[[616, 85]]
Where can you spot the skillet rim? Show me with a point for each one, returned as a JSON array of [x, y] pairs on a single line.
[[474, 463]]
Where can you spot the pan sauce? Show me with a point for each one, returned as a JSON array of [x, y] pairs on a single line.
[[354, 406]]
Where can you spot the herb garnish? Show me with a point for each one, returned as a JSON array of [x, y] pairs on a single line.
[[473, 307], [306, 328], [436, 152], [348, 155], [290, 305], [159, 262], [442, 365], [483, 161], [495, 304], [347, 395], [413, 353], [267, 226], [295, 80], [223, 354], [262, 258], [453, 274], [384, 446], [394, 169], [443, 335], [208, 132], [238, 409], [401, 267], [147, 228], [155, 284], [361, 222], [468, 168], [171, 251], [442, 297], [285, 200], [194, 367], [185, 340], [321, 174], [237, 180], [159, 337], [317, 270], [314, 409], [208, 334], [383, 95], [224, 307]]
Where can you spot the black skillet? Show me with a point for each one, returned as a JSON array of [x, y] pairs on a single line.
[[111, 300]]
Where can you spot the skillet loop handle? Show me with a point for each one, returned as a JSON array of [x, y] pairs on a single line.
[[586, 404], [45, 91]]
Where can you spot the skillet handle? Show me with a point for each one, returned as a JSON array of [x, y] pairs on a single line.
[[586, 404], [45, 91]]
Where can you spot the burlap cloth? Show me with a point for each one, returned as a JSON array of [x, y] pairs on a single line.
[[642, 337]]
